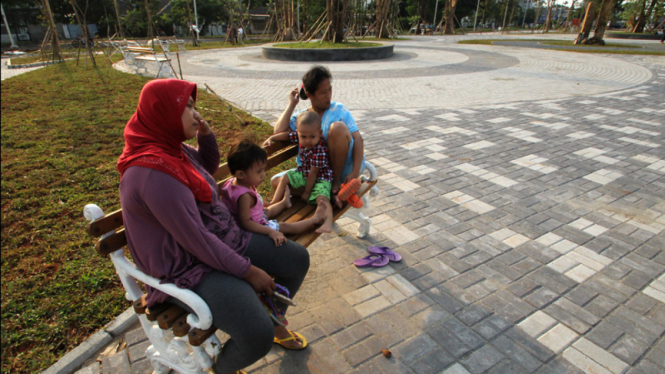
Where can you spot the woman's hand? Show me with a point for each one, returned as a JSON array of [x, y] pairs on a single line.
[[351, 177], [204, 126], [260, 281], [278, 237], [294, 96]]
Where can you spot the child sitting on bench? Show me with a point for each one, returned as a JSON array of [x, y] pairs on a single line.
[[247, 163], [314, 174]]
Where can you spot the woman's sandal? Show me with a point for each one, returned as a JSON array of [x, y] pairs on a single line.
[[292, 337]]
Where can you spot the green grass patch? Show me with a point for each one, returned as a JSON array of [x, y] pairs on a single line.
[[566, 43], [215, 44], [62, 133], [327, 45]]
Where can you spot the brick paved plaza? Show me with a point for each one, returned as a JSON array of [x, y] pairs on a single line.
[[525, 189]]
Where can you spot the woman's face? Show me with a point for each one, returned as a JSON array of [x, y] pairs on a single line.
[[190, 119], [323, 96]]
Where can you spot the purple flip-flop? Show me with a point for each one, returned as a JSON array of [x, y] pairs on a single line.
[[376, 261], [385, 252]]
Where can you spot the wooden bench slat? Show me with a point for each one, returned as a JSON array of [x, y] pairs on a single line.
[[167, 318], [106, 224], [308, 238], [140, 305], [153, 312], [111, 243], [306, 211], [297, 204], [197, 336], [181, 327]]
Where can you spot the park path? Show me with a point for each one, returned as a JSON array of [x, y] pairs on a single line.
[[531, 218]]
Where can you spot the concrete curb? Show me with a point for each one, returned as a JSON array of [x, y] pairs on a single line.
[[71, 361], [33, 65]]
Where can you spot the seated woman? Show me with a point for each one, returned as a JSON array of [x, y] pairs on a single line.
[[339, 128], [179, 231]]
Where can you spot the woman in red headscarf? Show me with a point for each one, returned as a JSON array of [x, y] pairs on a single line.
[[179, 231]]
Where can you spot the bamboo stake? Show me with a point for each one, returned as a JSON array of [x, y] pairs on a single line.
[[317, 30], [314, 25], [369, 28], [325, 32], [179, 67]]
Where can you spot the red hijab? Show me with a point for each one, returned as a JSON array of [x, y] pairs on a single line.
[[154, 135]]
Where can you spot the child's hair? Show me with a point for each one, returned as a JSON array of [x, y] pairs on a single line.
[[311, 80], [244, 154], [308, 118]]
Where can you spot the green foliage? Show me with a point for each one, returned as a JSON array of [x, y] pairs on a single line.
[[62, 133]]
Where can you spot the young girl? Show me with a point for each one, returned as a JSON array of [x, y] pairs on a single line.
[[247, 163]]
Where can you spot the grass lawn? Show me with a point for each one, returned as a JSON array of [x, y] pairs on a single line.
[[568, 43], [326, 45], [62, 133], [575, 48], [213, 44]]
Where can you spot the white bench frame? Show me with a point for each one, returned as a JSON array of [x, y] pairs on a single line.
[[166, 351]]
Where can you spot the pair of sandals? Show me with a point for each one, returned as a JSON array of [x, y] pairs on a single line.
[[380, 256]]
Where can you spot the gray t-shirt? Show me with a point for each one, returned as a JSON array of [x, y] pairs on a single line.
[[175, 238]]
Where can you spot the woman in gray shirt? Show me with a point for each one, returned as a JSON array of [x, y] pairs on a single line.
[[179, 231]]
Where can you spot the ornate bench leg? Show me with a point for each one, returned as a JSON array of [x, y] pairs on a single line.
[[357, 215], [169, 352]]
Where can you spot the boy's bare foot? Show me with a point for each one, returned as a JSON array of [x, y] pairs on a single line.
[[320, 213], [287, 197]]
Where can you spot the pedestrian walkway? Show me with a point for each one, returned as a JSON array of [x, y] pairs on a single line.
[[531, 218], [5, 72]]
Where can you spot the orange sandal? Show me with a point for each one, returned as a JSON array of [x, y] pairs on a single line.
[[349, 189]]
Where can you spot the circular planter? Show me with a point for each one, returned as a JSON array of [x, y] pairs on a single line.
[[621, 35], [328, 54]]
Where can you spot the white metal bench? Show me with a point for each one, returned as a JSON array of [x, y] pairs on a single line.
[[185, 341]]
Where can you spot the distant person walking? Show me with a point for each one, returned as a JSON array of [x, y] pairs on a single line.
[[241, 35]]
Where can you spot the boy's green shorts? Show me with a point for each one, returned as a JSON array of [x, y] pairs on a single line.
[[321, 187]]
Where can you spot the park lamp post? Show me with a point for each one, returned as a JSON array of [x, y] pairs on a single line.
[[11, 38], [475, 18]]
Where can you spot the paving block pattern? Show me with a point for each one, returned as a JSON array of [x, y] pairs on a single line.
[[532, 232]]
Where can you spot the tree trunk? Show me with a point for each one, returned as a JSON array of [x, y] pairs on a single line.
[[117, 16], [450, 16], [601, 23], [55, 41], [549, 15], [382, 18], [570, 14], [147, 10], [83, 25], [644, 16], [337, 18], [583, 36], [195, 42], [505, 15]]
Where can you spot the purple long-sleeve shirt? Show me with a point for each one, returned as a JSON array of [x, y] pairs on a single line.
[[173, 237]]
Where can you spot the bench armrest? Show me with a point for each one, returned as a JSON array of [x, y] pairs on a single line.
[[373, 175], [200, 319], [129, 273]]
